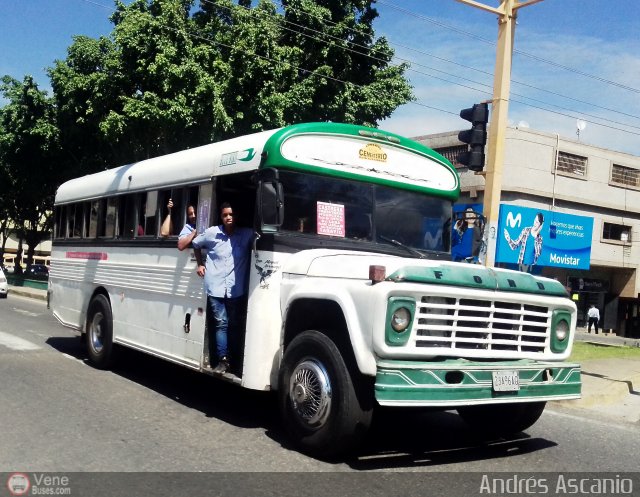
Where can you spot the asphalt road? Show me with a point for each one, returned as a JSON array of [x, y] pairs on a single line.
[[57, 413]]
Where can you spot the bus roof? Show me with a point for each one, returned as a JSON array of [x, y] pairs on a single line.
[[186, 167], [339, 150]]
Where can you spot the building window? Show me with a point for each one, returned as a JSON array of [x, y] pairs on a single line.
[[451, 153], [626, 176], [616, 232], [572, 164]]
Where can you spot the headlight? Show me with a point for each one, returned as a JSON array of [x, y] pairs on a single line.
[[400, 319], [562, 330]]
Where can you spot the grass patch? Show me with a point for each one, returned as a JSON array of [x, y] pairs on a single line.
[[583, 351]]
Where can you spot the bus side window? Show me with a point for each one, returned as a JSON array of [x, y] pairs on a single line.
[[86, 218], [191, 199], [127, 212], [58, 216], [78, 221], [107, 217], [93, 218], [70, 212], [177, 212], [148, 219]]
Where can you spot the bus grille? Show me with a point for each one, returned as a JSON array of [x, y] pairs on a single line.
[[479, 324]]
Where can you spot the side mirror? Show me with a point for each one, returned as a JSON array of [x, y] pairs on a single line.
[[270, 205]]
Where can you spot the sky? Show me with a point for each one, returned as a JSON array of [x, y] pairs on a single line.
[[575, 61]]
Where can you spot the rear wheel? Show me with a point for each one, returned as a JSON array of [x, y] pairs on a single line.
[[502, 419], [99, 339], [325, 410]]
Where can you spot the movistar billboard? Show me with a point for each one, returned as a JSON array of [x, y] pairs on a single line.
[[537, 237]]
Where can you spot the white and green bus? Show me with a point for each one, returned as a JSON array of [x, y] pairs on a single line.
[[353, 301]]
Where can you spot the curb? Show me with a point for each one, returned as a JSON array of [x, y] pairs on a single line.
[[27, 293], [602, 390]]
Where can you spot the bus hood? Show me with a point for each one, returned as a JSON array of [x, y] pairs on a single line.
[[350, 265]]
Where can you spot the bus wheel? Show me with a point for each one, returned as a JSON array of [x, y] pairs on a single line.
[[100, 333], [318, 397], [502, 419]]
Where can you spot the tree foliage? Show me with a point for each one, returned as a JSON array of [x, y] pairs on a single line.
[[173, 75], [29, 153]]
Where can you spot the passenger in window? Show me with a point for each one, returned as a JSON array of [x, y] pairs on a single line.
[[225, 279], [188, 232], [167, 225]]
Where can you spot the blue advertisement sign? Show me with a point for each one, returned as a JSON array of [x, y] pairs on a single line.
[[536, 237]]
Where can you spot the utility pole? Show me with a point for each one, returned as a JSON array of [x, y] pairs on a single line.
[[507, 13]]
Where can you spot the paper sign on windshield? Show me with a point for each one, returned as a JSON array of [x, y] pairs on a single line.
[[331, 219]]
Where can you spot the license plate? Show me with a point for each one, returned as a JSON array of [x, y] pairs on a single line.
[[506, 381]]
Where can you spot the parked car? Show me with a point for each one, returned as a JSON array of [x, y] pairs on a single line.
[[37, 272], [4, 289]]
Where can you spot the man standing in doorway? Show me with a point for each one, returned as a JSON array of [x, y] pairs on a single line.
[[225, 281], [594, 316]]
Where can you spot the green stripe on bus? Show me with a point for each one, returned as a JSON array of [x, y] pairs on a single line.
[[406, 381], [273, 156]]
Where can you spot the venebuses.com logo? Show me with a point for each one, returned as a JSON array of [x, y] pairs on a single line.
[[18, 484], [38, 484]]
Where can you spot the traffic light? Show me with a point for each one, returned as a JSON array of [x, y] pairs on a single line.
[[476, 137]]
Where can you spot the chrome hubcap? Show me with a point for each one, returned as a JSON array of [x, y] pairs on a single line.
[[310, 392], [95, 332]]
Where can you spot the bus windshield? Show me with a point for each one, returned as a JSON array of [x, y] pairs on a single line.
[[382, 218]]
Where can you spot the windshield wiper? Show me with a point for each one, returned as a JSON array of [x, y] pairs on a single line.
[[400, 244]]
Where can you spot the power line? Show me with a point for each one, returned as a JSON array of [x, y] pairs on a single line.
[[412, 62], [275, 22], [520, 52], [332, 78]]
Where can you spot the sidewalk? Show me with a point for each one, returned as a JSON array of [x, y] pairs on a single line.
[[605, 338], [25, 291], [609, 386]]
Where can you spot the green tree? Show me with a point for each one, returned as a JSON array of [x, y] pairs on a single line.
[[259, 69], [85, 87], [335, 39], [29, 154], [317, 61], [150, 89], [171, 76], [6, 222]]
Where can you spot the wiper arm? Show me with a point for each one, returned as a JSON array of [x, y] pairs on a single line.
[[400, 244]]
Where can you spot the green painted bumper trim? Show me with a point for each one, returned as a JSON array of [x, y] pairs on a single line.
[[461, 382]]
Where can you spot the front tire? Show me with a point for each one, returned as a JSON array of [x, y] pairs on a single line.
[[325, 410], [502, 419], [99, 339]]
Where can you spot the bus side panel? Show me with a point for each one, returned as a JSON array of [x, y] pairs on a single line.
[[70, 289], [264, 320], [152, 295]]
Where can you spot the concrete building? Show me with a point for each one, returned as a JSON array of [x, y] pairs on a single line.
[[550, 172]]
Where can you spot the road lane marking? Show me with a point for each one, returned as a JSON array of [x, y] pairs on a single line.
[[41, 335], [64, 354], [26, 313], [16, 343], [608, 423]]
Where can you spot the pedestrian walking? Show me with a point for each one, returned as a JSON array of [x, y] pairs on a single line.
[[594, 317]]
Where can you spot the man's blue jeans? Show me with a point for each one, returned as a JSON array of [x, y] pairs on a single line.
[[227, 316]]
